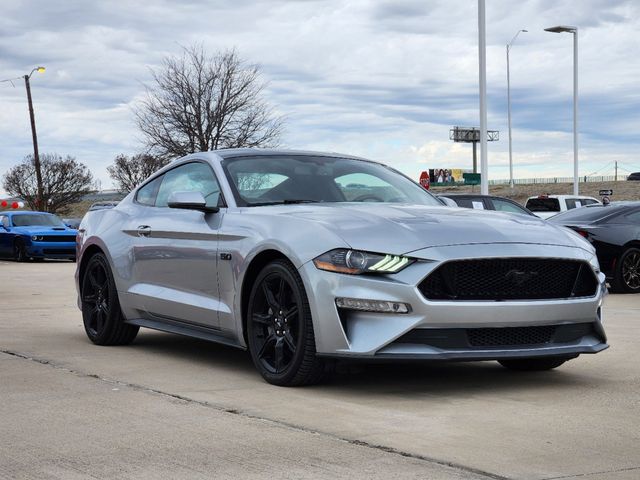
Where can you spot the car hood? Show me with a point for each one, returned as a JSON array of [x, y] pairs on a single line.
[[399, 229], [43, 230]]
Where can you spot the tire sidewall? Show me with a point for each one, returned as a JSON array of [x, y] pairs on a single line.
[[304, 322]]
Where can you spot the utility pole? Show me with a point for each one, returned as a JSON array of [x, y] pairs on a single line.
[[616, 177], [36, 156]]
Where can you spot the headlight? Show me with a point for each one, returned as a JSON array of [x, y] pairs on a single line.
[[36, 238], [356, 262]]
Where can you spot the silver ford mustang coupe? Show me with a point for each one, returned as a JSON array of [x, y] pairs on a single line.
[[304, 257]]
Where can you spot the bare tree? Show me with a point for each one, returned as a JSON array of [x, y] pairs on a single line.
[[201, 103], [65, 181], [129, 172]]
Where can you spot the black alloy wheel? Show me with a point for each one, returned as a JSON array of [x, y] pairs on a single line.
[[19, 251], [627, 273], [101, 314], [279, 328]]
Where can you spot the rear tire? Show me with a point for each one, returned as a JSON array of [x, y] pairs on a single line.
[[626, 277], [101, 313], [532, 364], [279, 328]]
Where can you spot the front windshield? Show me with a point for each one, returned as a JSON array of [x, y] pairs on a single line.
[[36, 219], [278, 179]]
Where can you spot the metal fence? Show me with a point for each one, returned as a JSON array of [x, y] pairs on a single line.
[[584, 179]]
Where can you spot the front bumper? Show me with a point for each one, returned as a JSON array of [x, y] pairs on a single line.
[[63, 250], [349, 333]]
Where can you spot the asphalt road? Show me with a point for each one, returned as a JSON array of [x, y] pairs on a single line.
[[173, 407]]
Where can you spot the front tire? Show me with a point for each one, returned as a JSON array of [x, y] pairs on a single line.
[[101, 313], [626, 278], [20, 251], [532, 364], [279, 328]]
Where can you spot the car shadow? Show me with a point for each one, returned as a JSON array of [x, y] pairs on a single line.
[[406, 379]]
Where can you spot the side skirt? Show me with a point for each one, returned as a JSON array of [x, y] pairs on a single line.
[[187, 330]]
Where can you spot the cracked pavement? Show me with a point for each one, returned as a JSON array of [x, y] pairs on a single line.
[[169, 406]]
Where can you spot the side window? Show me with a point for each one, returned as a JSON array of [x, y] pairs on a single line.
[[588, 201], [147, 194], [191, 177], [573, 203], [503, 206]]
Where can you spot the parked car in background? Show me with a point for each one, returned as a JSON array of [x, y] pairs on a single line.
[[28, 235], [634, 176], [545, 206], [614, 230], [102, 206], [486, 202], [303, 258]]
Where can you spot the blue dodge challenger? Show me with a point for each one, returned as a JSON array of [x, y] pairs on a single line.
[[28, 235]]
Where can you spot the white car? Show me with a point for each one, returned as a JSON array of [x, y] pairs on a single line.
[[545, 206]]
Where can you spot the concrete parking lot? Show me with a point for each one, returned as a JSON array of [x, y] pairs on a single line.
[[173, 407]]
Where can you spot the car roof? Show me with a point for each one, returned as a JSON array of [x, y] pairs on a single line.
[[217, 155], [562, 196], [23, 212]]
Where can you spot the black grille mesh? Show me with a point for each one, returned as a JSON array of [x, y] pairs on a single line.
[[59, 238], [510, 279], [511, 336]]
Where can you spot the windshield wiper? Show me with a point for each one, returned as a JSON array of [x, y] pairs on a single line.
[[288, 201]]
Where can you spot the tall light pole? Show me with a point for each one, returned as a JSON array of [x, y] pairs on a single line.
[[509, 106], [482, 61], [574, 30]]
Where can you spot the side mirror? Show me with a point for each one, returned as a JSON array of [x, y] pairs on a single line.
[[190, 201]]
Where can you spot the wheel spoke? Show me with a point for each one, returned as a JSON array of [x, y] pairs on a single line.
[[268, 295], [291, 313], [265, 346], [262, 318], [93, 280], [290, 342], [281, 288], [279, 354], [91, 299]]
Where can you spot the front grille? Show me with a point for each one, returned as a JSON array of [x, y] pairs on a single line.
[[511, 336], [503, 337], [58, 238], [59, 251], [510, 279]]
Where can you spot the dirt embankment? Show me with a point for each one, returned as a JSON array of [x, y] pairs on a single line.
[[622, 190]]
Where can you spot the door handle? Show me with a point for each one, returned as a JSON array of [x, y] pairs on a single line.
[[144, 230]]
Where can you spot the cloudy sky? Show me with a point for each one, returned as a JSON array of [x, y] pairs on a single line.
[[382, 79]]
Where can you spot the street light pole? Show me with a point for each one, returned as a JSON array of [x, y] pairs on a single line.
[[36, 155], [574, 30], [509, 107], [482, 63]]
